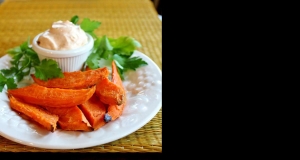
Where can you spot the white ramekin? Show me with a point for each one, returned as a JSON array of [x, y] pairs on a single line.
[[68, 60]]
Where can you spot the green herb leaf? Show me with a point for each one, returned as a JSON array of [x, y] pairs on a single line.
[[9, 72], [124, 63], [120, 69], [93, 61], [124, 45], [23, 60], [2, 82], [102, 50], [19, 76], [9, 82], [74, 19], [132, 63], [14, 51], [105, 49], [105, 44], [48, 69], [121, 49], [89, 26]]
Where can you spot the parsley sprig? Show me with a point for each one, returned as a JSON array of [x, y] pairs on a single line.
[[107, 49], [24, 62], [119, 50], [87, 25]]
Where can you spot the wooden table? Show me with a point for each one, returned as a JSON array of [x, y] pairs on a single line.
[[23, 19]]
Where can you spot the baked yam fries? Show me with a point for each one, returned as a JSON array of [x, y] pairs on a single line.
[[80, 101]]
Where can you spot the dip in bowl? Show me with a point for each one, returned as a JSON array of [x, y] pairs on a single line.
[[65, 43]]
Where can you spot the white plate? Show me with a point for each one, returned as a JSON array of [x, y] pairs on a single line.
[[144, 93]]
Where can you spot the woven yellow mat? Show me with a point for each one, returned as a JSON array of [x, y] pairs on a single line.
[[23, 19]]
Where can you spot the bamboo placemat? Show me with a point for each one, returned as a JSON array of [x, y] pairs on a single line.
[[20, 19]]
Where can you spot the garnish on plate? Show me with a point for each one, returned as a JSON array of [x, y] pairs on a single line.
[[108, 49], [24, 61]]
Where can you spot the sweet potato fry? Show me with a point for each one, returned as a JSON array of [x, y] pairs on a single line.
[[38, 114], [94, 110], [71, 118], [53, 97], [74, 80], [114, 111], [109, 93]]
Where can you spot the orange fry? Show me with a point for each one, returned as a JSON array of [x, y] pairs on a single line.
[[71, 118], [53, 97], [94, 110], [38, 114], [110, 93], [74, 80], [114, 111]]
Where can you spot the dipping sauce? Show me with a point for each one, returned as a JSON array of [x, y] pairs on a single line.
[[63, 35]]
